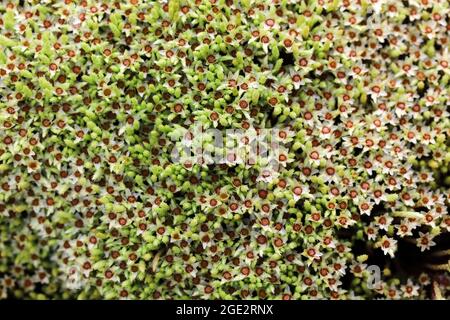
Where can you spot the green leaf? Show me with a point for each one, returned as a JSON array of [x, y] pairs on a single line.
[[174, 9], [6, 42], [115, 30], [45, 84], [9, 20], [22, 88]]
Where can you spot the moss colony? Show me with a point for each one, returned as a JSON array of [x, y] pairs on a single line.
[[95, 96]]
